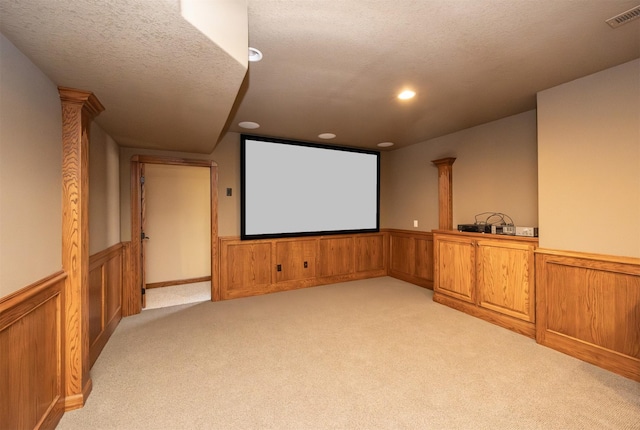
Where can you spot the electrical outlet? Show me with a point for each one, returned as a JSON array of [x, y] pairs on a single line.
[[415, 222]]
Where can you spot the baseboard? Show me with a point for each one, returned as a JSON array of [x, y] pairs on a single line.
[[77, 401], [523, 327]]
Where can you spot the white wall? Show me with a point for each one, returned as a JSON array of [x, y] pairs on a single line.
[[104, 191], [589, 163], [495, 170], [30, 172]]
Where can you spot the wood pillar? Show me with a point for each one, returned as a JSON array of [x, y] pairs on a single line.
[[78, 110], [445, 192]]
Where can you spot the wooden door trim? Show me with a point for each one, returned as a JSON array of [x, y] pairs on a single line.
[[134, 297]]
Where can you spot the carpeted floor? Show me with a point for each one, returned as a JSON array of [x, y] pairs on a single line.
[[372, 354]]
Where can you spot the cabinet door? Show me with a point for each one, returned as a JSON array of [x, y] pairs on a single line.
[[297, 260], [455, 271], [506, 278]]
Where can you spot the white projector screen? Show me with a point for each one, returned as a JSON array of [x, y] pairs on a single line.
[[301, 189]]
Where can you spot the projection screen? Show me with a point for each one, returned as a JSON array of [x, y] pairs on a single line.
[[299, 189]]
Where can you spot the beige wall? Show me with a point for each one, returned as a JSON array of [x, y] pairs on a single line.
[[30, 172], [178, 222], [104, 191], [227, 157], [495, 170], [589, 163]]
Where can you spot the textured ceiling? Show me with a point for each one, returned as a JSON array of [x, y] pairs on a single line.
[[329, 66], [163, 83]]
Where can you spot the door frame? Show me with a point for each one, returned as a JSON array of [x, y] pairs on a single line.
[[133, 298]]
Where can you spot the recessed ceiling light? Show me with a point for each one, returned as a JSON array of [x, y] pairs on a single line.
[[326, 136], [254, 55], [249, 124], [385, 144], [407, 94]]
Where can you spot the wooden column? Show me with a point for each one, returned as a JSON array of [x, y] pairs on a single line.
[[445, 192], [78, 110]]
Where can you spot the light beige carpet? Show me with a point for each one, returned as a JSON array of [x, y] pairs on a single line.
[[373, 354], [178, 295]]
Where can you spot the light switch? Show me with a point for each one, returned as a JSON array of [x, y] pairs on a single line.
[[415, 222]]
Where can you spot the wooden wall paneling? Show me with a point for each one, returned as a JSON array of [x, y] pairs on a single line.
[[297, 259], [403, 257], [249, 268], [32, 355], [335, 256], [246, 268], [106, 276], [424, 257], [411, 256], [588, 306], [96, 303], [370, 253], [78, 110]]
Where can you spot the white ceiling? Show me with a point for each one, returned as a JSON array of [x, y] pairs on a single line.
[[329, 66]]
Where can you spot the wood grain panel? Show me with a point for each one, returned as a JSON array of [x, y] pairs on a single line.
[[455, 269], [589, 307], [403, 254], [78, 110], [506, 278], [249, 268], [246, 267], [32, 356], [445, 192], [424, 258], [369, 253], [297, 259], [335, 256], [106, 275], [411, 256], [96, 303]]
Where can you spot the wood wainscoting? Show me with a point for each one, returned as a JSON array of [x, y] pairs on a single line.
[[588, 306], [253, 267], [32, 355], [107, 275], [411, 256]]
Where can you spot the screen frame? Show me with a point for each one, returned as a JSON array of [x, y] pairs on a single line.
[[243, 203]]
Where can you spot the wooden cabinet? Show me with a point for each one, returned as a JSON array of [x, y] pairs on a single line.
[[253, 267], [488, 276], [506, 278]]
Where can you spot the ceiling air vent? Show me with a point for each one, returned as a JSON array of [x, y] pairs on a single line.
[[624, 17]]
